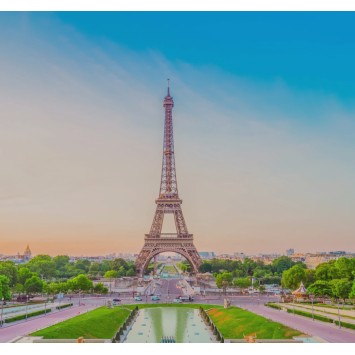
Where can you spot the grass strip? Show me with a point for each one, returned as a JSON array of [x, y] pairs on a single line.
[[309, 315], [64, 306], [273, 305], [100, 323], [23, 316]]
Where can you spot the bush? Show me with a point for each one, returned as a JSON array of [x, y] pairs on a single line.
[[64, 306], [309, 315], [345, 325], [23, 316], [273, 305]]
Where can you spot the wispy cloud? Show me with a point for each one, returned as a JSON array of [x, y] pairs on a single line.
[[260, 166]]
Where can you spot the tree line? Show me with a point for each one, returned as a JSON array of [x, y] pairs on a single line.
[[334, 279], [51, 275]]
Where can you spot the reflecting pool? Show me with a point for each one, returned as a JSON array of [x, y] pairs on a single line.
[[183, 324]]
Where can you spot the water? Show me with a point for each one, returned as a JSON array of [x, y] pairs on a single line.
[[183, 324]]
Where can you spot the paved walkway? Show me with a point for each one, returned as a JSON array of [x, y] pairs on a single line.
[[327, 331], [321, 312], [14, 330]]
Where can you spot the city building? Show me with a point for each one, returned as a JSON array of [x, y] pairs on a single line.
[[313, 260], [290, 252], [19, 258], [206, 255]]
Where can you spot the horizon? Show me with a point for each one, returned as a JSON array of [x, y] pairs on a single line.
[[264, 129]]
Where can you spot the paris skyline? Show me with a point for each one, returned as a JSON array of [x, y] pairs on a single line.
[[263, 127]]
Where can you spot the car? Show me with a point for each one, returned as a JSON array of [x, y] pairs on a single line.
[[177, 300], [186, 298], [138, 298], [151, 294], [116, 301], [155, 298]]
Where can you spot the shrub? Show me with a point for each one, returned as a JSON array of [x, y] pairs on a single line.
[[273, 305], [64, 306], [309, 315], [23, 316]]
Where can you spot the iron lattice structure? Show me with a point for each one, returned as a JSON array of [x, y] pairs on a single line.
[[168, 201]]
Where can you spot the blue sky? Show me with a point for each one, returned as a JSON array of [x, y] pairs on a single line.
[[309, 51], [263, 123]]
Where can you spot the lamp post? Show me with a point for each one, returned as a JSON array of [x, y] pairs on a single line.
[[79, 299], [26, 305], [2, 310], [339, 315], [312, 299], [45, 306], [293, 304]]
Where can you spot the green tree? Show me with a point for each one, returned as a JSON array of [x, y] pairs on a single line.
[[327, 271], [310, 277], [33, 285], [346, 268], [352, 292], [242, 283], [206, 266], [24, 274], [281, 264], [51, 288], [8, 269], [130, 272], [5, 288], [320, 288], [100, 288], [341, 288], [224, 280], [105, 265], [60, 261], [43, 266], [94, 268], [80, 283], [111, 274], [292, 277], [83, 265], [118, 263]]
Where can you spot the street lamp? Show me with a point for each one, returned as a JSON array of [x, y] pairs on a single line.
[[2, 310], [339, 315], [293, 304], [312, 299], [79, 299], [26, 305], [45, 306]]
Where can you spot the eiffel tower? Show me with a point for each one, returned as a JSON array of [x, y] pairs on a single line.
[[168, 201]]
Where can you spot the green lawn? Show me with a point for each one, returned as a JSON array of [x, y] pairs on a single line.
[[103, 323], [169, 269], [234, 323]]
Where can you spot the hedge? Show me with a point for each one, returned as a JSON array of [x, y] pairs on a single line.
[[272, 305], [309, 315], [345, 325], [64, 306], [23, 316]]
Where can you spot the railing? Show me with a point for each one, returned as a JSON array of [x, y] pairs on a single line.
[[125, 327], [169, 236], [213, 327]]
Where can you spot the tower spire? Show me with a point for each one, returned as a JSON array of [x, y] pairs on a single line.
[[168, 87]]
